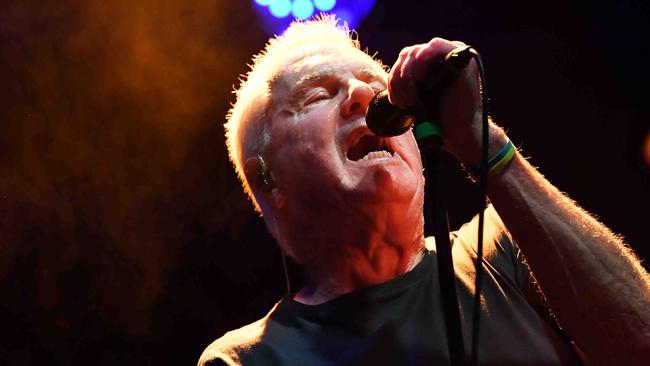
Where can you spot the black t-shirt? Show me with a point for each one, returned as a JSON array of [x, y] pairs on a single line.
[[401, 322]]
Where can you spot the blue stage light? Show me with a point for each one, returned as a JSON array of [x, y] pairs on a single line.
[[280, 8], [276, 15], [302, 9], [324, 5], [345, 15]]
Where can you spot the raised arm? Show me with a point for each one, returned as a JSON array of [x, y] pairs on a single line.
[[592, 281], [594, 284]]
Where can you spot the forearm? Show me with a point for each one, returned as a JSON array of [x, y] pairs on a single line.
[[592, 281]]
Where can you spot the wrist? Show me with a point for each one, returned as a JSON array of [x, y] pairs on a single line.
[[495, 164], [468, 152]]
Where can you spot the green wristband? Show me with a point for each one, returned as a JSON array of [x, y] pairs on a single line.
[[502, 158], [496, 163]]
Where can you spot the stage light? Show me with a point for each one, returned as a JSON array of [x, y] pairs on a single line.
[[302, 9], [276, 15], [324, 5], [280, 8]]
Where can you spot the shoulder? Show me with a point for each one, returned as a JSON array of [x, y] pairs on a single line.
[[228, 349], [500, 252], [497, 241], [496, 238], [240, 346]]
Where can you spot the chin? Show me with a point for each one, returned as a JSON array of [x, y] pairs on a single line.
[[395, 186]]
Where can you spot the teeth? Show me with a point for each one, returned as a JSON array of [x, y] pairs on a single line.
[[377, 155]]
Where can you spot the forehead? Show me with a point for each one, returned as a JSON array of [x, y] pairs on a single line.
[[300, 70]]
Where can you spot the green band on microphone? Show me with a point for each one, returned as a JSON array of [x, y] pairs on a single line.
[[427, 129]]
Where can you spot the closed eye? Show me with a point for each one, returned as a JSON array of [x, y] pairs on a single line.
[[317, 95]]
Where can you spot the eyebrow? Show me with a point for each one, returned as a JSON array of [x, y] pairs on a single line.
[[312, 78], [308, 80]]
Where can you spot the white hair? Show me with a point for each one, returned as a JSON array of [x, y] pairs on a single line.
[[247, 121]]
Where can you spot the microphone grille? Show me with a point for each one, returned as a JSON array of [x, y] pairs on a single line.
[[386, 119]]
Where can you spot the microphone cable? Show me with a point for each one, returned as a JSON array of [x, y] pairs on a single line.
[[460, 58], [483, 170]]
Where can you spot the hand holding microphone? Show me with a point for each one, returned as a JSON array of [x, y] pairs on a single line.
[[431, 80]]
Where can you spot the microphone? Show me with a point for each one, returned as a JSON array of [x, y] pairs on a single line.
[[386, 119]]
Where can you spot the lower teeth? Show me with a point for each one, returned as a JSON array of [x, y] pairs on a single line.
[[377, 155]]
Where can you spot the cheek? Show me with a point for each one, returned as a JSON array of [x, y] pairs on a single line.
[[310, 137], [314, 128], [306, 160], [307, 154]]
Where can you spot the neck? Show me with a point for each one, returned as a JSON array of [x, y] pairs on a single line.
[[353, 268]]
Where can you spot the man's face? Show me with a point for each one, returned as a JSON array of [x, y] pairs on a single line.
[[328, 165]]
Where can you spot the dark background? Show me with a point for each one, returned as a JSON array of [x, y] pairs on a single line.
[[124, 236]]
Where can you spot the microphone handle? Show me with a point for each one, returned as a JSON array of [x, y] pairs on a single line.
[[443, 72], [386, 119]]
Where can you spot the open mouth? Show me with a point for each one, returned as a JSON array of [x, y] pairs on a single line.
[[368, 147]]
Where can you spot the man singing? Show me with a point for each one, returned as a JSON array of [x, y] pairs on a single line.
[[347, 206]]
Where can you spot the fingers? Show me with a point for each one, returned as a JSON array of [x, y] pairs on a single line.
[[412, 67], [402, 86], [458, 44]]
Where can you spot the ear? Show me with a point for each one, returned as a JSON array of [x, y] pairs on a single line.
[[257, 173], [261, 179]]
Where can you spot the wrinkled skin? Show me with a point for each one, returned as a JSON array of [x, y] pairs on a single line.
[[349, 223]]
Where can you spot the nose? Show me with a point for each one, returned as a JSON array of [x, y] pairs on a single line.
[[359, 96]]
